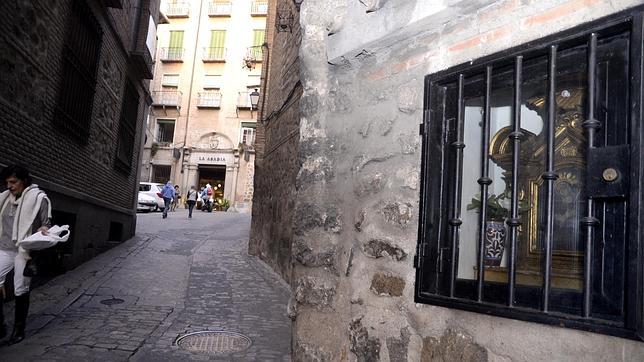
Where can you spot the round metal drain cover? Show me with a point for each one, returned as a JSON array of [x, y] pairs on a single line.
[[214, 342], [112, 301]]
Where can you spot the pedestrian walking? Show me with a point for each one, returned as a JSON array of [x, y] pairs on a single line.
[[167, 192], [191, 199], [177, 197], [24, 210]]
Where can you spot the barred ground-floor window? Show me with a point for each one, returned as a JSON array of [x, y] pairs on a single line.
[[532, 181]]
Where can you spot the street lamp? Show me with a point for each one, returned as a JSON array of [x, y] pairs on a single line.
[[254, 100]]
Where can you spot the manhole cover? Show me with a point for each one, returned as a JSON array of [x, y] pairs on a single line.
[[112, 301], [214, 342]]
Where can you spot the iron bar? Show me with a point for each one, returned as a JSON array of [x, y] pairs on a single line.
[[549, 176], [484, 181], [455, 220], [514, 221], [589, 221]]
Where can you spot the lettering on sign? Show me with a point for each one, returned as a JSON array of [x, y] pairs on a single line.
[[211, 159]]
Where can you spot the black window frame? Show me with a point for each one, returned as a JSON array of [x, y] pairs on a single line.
[[435, 220]]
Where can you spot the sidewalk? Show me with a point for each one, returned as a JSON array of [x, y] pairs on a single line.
[[176, 276]]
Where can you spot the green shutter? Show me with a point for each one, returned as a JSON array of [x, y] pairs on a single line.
[[258, 38], [217, 38], [176, 39]]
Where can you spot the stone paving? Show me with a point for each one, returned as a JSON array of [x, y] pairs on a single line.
[[176, 276]]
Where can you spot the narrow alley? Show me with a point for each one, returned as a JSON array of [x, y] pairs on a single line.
[[176, 276]]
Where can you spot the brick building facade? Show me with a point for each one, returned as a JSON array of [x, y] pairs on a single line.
[[74, 79], [357, 211]]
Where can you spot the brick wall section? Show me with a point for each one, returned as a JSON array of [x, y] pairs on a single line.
[[277, 142], [32, 37]]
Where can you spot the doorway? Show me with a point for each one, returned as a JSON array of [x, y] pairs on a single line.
[[215, 176]]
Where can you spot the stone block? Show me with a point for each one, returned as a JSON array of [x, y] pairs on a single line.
[[311, 216], [370, 184], [359, 221], [315, 169], [398, 213], [398, 346], [364, 347], [408, 100], [359, 162], [452, 346], [306, 256], [387, 285], [409, 143], [314, 292], [377, 248], [308, 353]]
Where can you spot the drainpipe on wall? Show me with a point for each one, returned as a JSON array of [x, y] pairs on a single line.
[[192, 76], [265, 83]]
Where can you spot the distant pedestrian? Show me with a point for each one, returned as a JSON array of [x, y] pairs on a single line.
[[177, 197], [168, 194], [191, 199], [24, 210]]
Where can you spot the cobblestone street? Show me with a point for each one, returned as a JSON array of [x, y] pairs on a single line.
[[176, 276]]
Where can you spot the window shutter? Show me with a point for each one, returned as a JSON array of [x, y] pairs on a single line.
[[176, 39], [258, 38], [217, 38]]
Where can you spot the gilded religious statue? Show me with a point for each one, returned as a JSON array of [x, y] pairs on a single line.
[[570, 166]]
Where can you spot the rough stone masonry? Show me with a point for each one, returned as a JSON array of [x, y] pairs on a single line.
[[362, 65]]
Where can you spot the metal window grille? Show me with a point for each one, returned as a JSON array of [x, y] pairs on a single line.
[[161, 173], [78, 81], [165, 131], [259, 7], [178, 9], [214, 54], [219, 8], [536, 149], [127, 125]]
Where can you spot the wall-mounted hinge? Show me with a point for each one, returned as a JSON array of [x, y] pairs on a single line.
[[416, 262], [421, 129]]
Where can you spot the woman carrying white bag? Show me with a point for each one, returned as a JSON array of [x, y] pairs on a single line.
[[24, 210]]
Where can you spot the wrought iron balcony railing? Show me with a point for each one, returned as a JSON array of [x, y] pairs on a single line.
[[259, 7], [208, 99], [171, 54], [254, 53], [179, 9], [219, 8], [214, 54], [166, 98]]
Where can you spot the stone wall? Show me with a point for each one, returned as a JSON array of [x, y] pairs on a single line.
[[356, 212], [81, 176], [278, 140]]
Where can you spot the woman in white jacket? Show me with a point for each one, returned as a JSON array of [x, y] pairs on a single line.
[[24, 210]]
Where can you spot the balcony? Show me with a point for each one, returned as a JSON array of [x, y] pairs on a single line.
[[219, 8], [214, 55], [170, 55], [254, 53], [208, 100], [166, 98], [259, 8], [178, 9]]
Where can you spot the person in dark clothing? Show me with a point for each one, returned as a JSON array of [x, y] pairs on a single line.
[[191, 199]]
